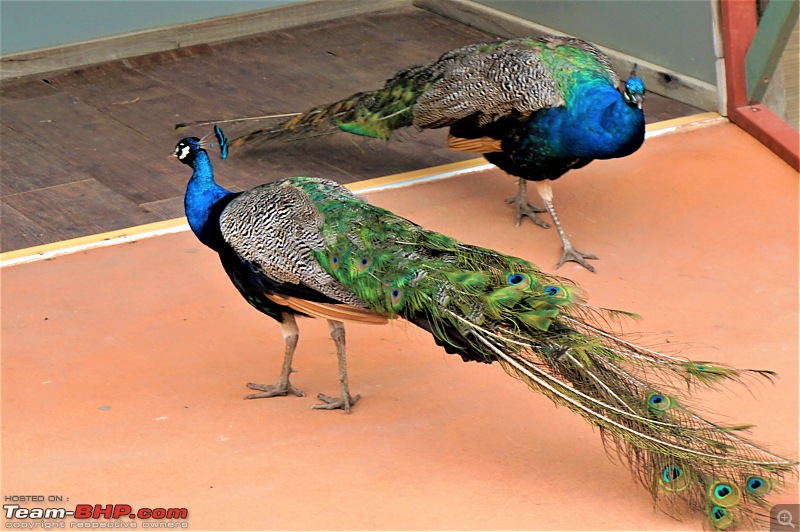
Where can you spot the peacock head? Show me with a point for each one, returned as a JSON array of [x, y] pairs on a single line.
[[634, 90], [187, 149]]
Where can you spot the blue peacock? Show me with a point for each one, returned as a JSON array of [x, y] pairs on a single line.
[[536, 108], [307, 247]]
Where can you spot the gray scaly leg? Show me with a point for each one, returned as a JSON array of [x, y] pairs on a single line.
[[524, 208], [283, 387], [569, 253], [345, 401]]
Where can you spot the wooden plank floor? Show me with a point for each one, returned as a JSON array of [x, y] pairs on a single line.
[[84, 151]]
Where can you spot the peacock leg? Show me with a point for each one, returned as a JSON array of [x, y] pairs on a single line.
[[290, 335], [345, 401], [569, 253], [524, 208]]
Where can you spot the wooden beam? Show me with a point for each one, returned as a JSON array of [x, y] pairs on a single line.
[[771, 130], [765, 51], [738, 28]]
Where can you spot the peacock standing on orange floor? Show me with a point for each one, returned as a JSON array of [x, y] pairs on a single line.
[[308, 247], [535, 108]]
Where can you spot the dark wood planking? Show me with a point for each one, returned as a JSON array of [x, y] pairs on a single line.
[[347, 158], [95, 144], [153, 118], [78, 209], [169, 56], [106, 129], [25, 89], [166, 209], [108, 84], [333, 61], [327, 62], [658, 108], [18, 231], [32, 165]]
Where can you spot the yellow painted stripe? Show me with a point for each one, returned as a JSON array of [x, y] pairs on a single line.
[[155, 228], [83, 241], [416, 174], [681, 121]]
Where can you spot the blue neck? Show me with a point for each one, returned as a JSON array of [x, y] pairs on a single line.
[[202, 194], [595, 123]]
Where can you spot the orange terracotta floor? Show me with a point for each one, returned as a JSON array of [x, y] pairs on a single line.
[[123, 367]]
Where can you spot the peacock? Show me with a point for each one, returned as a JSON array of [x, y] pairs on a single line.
[[535, 108], [308, 247]]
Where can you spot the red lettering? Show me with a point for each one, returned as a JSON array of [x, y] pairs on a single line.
[[121, 509], [83, 511], [100, 511]]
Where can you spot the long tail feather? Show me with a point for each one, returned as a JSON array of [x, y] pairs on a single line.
[[372, 114], [489, 307], [183, 125]]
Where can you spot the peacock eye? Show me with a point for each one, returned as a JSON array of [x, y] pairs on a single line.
[[515, 278], [758, 486], [396, 298], [551, 291], [659, 402], [672, 473], [364, 264]]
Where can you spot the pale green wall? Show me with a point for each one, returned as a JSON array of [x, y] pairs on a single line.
[[32, 24], [676, 34]]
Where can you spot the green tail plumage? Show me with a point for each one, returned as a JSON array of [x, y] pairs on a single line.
[[308, 246], [372, 114], [475, 84], [489, 307]]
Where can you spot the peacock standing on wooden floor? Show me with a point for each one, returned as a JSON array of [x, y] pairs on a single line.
[[535, 108], [306, 246]]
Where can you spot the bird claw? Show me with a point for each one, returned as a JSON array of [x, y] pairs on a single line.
[[526, 209], [334, 403], [573, 255], [272, 390]]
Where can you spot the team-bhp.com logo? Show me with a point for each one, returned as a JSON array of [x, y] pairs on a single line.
[[93, 516]]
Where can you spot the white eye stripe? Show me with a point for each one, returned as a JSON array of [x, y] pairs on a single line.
[[184, 152]]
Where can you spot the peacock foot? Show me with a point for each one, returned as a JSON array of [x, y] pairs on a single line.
[[333, 403], [272, 390], [526, 209], [520, 200], [572, 254]]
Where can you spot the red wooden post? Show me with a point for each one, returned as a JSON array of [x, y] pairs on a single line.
[[739, 25]]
